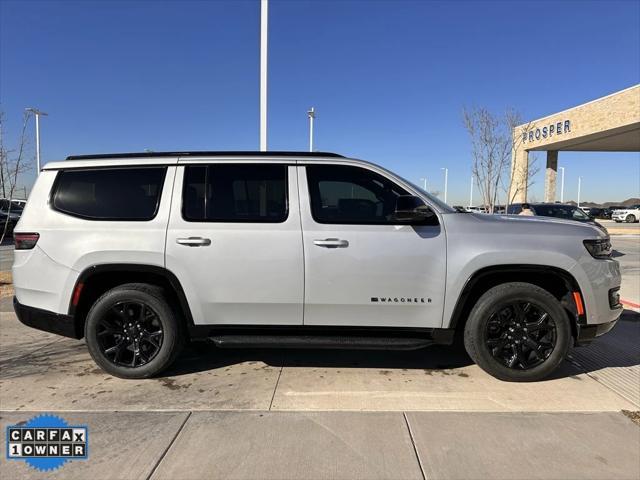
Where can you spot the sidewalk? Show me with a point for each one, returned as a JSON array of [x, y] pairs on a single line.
[[353, 445]]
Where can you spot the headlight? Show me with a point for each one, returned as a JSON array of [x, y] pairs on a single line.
[[599, 248]]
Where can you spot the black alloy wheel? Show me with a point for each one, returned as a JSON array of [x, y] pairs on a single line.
[[518, 332], [130, 334], [521, 335], [132, 331]]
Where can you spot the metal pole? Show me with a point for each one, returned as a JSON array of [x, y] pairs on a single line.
[[446, 181], [37, 113], [264, 26], [579, 185], [562, 186], [312, 115], [38, 143], [424, 183], [471, 193]]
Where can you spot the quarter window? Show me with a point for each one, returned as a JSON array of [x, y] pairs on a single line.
[[235, 193], [129, 194], [342, 194]]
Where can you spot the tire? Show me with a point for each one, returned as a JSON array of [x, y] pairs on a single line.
[[630, 219], [116, 343], [491, 344]]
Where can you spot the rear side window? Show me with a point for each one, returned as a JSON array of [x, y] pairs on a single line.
[[129, 194], [235, 193]]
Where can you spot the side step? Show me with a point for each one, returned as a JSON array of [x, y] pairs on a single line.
[[321, 341]]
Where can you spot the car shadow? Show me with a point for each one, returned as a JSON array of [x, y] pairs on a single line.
[[199, 357], [616, 349]]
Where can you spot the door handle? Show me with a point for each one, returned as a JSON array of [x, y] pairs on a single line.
[[194, 241], [331, 243]]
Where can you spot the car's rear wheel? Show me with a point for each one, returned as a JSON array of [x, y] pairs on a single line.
[[518, 332], [631, 219], [132, 332]]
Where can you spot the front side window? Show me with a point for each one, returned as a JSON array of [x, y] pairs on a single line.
[[127, 194], [342, 194], [235, 193]]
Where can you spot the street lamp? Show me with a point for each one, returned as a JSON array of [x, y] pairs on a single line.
[[446, 181], [562, 186], [471, 193], [37, 113], [579, 185], [264, 28], [312, 114], [424, 183]]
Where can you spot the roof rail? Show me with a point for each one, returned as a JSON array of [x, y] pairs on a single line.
[[101, 156]]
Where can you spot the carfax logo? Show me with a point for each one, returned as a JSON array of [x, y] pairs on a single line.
[[46, 442]]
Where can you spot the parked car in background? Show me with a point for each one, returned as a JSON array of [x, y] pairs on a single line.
[[597, 212], [474, 209], [586, 210], [627, 214], [10, 213], [556, 210]]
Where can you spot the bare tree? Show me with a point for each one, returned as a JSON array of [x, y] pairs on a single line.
[[492, 144], [13, 162]]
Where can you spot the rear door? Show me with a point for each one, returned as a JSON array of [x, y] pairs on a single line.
[[362, 268], [234, 242]]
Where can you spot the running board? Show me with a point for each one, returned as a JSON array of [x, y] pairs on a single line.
[[320, 341]]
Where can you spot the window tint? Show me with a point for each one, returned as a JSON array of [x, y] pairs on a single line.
[[351, 195], [235, 193], [110, 193]]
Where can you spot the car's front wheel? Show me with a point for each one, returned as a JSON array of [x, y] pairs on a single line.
[[518, 332], [631, 219], [132, 332]]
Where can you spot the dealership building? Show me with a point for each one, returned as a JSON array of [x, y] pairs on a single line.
[[607, 124]]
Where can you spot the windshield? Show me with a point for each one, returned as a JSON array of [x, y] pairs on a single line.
[[441, 205], [561, 211]]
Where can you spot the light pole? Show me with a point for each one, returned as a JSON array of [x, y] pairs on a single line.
[[446, 181], [37, 113], [264, 28], [562, 186], [579, 185], [424, 183], [312, 114], [471, 193]]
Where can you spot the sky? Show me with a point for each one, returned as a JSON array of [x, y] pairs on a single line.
[[388, 79]]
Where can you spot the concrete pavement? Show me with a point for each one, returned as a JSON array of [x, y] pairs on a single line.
[[346, 445]]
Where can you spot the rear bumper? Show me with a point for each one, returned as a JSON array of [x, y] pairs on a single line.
[[47, 321]]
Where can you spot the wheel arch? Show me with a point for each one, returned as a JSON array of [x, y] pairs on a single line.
[[97, 279], [557, 281]]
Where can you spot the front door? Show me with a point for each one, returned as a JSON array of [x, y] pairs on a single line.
[[234, 242], [362, 268]]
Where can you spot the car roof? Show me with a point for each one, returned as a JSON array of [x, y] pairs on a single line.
[[173, 158], [196, 153]]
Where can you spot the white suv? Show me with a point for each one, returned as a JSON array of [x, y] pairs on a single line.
[[138, 253], [629, 215]]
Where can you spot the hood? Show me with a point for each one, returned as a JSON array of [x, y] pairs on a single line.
[[537, 224]]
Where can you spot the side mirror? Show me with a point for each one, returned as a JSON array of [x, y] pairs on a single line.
[[410, 208]]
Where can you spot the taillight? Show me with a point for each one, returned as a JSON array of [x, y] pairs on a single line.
[[25, 241]]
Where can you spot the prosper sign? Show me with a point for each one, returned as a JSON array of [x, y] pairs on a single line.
[[557, 128]]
